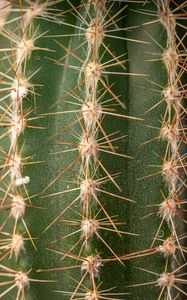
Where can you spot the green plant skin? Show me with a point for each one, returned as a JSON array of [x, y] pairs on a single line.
[[138, 97], [146, 191]]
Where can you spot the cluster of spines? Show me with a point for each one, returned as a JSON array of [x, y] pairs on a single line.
[[13, 121], [89, 147], [173, 133], [16, 86]]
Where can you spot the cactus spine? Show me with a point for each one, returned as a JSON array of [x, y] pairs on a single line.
[[63, 58]]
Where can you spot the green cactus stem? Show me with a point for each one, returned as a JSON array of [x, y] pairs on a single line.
[[93, 149]]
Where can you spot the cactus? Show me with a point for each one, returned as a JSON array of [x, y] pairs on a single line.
[[93, 142]]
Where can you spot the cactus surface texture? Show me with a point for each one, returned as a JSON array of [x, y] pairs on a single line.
[[93, 149]]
